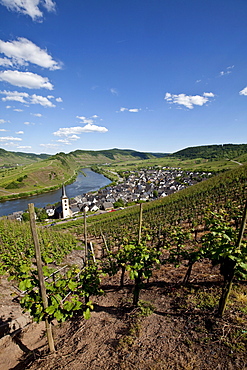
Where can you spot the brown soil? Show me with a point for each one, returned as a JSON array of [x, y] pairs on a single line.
[[183, 332]]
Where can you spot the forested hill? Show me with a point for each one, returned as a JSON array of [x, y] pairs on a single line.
[[117, 154], [212, 152], [8, 158]]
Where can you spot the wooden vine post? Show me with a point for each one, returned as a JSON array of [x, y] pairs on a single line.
[[140, 225], [226, 290], [85, 236], [40, 275]]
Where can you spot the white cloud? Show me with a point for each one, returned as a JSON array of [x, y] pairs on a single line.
[[24, 147], [64, 141], [23, 51], [77, 130], [59, 100], [50, 5], [42, 100], [74, 137], [223, 73], [189, 101], [131, 110], [227, 71], [29, 7], [243, 92], [26, 79], [3, 130], [25, 98], [14, 96], [86, 120], [134, 110], [209, 95], [2, 121], [68, 134], [8, 138], [18, 110], [114, 91], [36, 114], [5, 62], [20, 132]]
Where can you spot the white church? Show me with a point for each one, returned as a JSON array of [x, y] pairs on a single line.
[[64, 211]]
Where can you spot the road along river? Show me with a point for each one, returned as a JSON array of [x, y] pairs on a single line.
[[83, 184]]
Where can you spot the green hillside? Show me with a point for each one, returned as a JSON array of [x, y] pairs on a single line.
[[103, 156], [213, 152], [9, 159], [30, 174], [23, 174]]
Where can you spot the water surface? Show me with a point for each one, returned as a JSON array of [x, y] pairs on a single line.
[[83, 184]]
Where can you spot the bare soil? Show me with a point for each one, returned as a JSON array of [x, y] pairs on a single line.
[[182, 333]]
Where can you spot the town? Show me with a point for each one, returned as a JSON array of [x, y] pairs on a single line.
[[133, 187]]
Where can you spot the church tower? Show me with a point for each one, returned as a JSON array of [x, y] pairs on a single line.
[[65, 204]]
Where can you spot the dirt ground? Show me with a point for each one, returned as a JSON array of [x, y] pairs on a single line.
[[182, 332]]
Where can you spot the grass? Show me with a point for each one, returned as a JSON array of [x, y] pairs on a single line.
[[135, 319], [238, 298]]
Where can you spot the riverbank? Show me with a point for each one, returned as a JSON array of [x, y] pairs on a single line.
[[21, 195], [86, 181]]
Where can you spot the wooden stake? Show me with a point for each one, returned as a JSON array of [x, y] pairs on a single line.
[[40, 275], [85, 236], [105, 243], [140, 225], [92, 252]]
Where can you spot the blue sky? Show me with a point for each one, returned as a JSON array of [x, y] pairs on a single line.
[[150, 75]]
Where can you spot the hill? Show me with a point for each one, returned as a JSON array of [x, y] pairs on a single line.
[[23, 174], [10, 159], [102, 156], [212, 152]]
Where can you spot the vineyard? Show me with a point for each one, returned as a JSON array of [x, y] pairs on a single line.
[[178, 264]]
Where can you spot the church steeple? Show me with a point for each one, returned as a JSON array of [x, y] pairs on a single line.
[[63, 193], [65, 204]]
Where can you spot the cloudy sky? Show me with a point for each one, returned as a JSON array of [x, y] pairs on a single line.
[[155, 76]]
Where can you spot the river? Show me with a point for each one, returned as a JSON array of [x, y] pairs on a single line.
[[91, 182]]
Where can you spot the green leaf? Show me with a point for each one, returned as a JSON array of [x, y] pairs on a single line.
[[72, 285], [25, 284], [50, 310], [87, 314], [90, 305], [47, 259], [24, 268], [59, 315], [68, 306]]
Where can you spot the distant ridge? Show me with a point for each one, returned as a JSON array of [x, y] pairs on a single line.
[[114, 153], [212, 152], [209, 152], [13, 158], [26, 174]]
